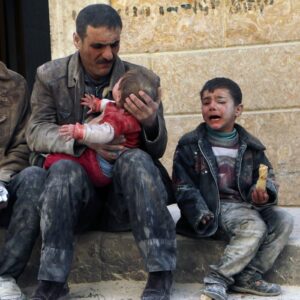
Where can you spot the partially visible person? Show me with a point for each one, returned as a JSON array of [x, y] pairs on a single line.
[[14, 155], [215, 173], [113, 122], [65, 201], [14, 111]]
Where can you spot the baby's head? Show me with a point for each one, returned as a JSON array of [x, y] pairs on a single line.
[[134, 81]]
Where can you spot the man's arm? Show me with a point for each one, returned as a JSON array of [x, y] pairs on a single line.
[[42, 130]]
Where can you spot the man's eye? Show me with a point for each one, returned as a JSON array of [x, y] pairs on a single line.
[[115, 44], [98, 46]]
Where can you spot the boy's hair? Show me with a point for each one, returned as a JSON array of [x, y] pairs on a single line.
[[97, 15], [137, 80], [224, 83]]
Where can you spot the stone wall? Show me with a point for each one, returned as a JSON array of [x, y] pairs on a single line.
[[254, 42]]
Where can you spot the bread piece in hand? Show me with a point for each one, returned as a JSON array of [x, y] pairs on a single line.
[[262, 179]]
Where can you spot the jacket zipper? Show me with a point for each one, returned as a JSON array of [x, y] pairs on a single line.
[[243, 149], [215, 179]]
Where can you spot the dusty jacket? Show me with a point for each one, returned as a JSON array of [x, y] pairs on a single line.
[[14, 112], [195, 178], [55, 101]]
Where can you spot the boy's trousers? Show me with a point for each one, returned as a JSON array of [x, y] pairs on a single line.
[[256, 239]]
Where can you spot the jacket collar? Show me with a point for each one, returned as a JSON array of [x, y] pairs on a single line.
[[244, 135], [75, 70], [4, 73]]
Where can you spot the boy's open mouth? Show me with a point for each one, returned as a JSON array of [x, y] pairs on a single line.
[[214, 117]]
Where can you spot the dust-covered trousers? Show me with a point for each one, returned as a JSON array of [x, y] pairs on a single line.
[[256, 238], [62, 201]]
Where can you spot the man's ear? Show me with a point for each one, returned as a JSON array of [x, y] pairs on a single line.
[[76, 40], [239, 109]]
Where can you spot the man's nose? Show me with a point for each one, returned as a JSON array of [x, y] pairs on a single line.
[[108, 54]]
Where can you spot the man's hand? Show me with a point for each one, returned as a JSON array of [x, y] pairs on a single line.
[[109, 152], [91, 102], [146, 112], [259, 196], [3, 196]]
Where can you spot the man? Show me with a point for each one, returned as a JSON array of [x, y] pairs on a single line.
[[14, 153], [67, 200]]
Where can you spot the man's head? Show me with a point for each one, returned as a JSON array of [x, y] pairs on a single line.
[[221, 100], [97, 38], [134, 81]]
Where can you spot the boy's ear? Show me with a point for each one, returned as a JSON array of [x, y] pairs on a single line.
[[238, 110]]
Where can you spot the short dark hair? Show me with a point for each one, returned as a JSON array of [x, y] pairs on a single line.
[[97, 15], [224, 83], [137, 80]]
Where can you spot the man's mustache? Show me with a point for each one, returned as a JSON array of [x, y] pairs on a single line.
[[104, 61]]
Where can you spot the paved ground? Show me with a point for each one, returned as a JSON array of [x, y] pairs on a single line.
[[131, 290]]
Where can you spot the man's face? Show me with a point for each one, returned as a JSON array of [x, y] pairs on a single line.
[[219, 111], [98, 49]]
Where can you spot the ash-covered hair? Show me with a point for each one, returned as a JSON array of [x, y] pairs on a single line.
[[224, 83], [137, 80], [97, 15]]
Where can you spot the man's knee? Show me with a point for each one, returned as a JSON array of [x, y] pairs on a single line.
[[133, 159], [66, 167], [32, 173], [29, 178]]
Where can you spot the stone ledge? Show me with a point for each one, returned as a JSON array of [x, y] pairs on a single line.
[[113, 256]]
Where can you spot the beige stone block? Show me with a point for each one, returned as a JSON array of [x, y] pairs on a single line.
[[278, 131], [62, 16], [268, 76], [151, 26], [256, 21], [143, 59]]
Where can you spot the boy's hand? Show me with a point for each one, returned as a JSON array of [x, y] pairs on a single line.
[[146, 112], [259, 196], [91, 102], [207, 218]]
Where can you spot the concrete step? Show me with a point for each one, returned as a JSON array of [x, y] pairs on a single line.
[[131, 290], [103, 256]]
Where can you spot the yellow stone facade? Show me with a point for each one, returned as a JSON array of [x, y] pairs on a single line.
[[254, 42]]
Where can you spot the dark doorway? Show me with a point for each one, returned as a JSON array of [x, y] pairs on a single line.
[[24, 36]]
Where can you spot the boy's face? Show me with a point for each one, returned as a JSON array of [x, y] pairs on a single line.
[[117, 93], [219, 111]]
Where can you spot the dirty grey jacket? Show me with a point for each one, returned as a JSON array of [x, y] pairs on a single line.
[[55, 100], [195, 178], [14, 112]]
